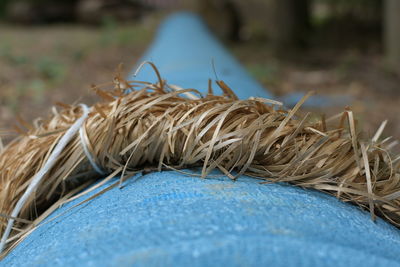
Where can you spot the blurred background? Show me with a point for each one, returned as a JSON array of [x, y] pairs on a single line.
[[52, 51]]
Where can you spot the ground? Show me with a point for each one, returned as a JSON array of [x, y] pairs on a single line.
[[42, 65]]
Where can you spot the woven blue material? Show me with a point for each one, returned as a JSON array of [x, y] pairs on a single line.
[[170, 219]]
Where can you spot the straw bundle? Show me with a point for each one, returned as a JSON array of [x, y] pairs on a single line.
[[144, 127]]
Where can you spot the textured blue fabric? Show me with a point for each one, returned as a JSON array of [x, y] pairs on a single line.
[[169, 219]]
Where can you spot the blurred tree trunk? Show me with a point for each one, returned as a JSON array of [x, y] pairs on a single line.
[[289, 22], [223, 17], [286, 22], [392, 32]]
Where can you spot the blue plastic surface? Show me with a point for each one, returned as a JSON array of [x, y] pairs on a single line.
[[169, 219]]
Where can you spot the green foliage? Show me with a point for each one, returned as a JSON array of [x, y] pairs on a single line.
[[50, 69], [359, 9], [10, 57], [45, 1], [113, 33], [265, 73], [79, 55], [38, 88], [35, 88], [108, 26], [350, 3], [3, 6]]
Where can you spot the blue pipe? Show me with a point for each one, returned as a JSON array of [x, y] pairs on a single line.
[[170, 219], [184, 52]]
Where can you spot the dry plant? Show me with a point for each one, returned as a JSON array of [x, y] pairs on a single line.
[[142, 126]]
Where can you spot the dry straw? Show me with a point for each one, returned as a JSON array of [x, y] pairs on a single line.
[[142, 126]]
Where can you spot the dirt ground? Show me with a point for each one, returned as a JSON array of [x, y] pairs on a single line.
[[42, 65]]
